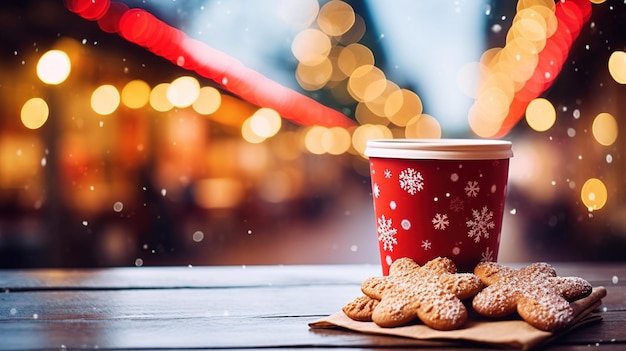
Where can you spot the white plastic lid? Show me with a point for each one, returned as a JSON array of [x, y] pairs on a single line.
[[440, 149]]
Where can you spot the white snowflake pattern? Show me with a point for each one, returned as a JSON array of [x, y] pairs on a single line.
[[387, 173], [487, 255], [480, 224], [376, 190], [411, 181], [472, 189], [440, 222], [426, 245], [386, 233], [456, 204]]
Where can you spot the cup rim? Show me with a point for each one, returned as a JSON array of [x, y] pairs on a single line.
[[440, 149]]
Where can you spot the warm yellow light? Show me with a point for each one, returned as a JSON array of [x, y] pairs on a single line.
[[265, 122], [482, 126], [367, 83], [335, 18], [105, 99], [136, 94], [402, 105], [540, 114], [208, 101], [364, 115], [54, 67], [158, 98], [423, 127], [311, 46], [314, 139], [353, 56], [605, 129], [341, 141], [594, 194], [34, 113], [249, 134], [314, 77], [617, 66], [183, 91], [218, 192], [366, 132]]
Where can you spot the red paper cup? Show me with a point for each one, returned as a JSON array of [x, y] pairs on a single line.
[[439, 197]]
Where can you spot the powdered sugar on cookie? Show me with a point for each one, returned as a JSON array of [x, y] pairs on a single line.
[[535, 292]]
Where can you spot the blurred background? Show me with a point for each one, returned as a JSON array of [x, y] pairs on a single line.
[[228, 132]]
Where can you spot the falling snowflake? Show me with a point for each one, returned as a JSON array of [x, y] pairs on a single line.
[[487, 255], [456, 204], [481, 224], [472, 189], [376, 190], [386, 233], [440, 222], [426, 245], [411, 181], [387, 173]]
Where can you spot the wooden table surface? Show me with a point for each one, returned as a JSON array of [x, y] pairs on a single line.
[[229, 307]]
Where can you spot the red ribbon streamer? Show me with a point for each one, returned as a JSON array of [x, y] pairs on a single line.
[[142, 28]]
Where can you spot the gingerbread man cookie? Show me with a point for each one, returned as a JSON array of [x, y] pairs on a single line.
[[535, 292], [432, 293]]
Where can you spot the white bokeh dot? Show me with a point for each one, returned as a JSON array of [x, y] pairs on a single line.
[[392, 205], [406, 224]]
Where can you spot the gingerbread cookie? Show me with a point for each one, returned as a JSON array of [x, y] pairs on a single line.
[[432, 293], [535, 292], [361, 308]]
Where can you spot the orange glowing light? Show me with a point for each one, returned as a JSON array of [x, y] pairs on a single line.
[[34, 113], [336, 18], [529, 62], [617, 66], [54, 67], [594, 194], [605, 129]]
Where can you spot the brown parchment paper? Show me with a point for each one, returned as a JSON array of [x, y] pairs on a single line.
[[514, 333]]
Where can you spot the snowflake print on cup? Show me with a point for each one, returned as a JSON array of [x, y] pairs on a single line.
[[428, 205], [440, 222], [487, 255], [387, 233], [376, 190], [411, 181], [480, 224], [472, 189]]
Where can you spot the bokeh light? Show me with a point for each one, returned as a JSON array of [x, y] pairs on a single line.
[[34, 113], [617, 66], [158, 98], [540, 114], [311, 46], [105, 99], [265, 122], [209, 100], [594, 194], [605, 129], [54, 67], [423, 126], [321, 140], [136, 94], [183, 91], [336, 18]]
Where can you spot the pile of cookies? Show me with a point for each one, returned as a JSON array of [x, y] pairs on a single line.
[[435, 294]]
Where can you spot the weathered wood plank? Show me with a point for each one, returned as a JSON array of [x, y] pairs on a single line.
[[216, 276], [222, 307]]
